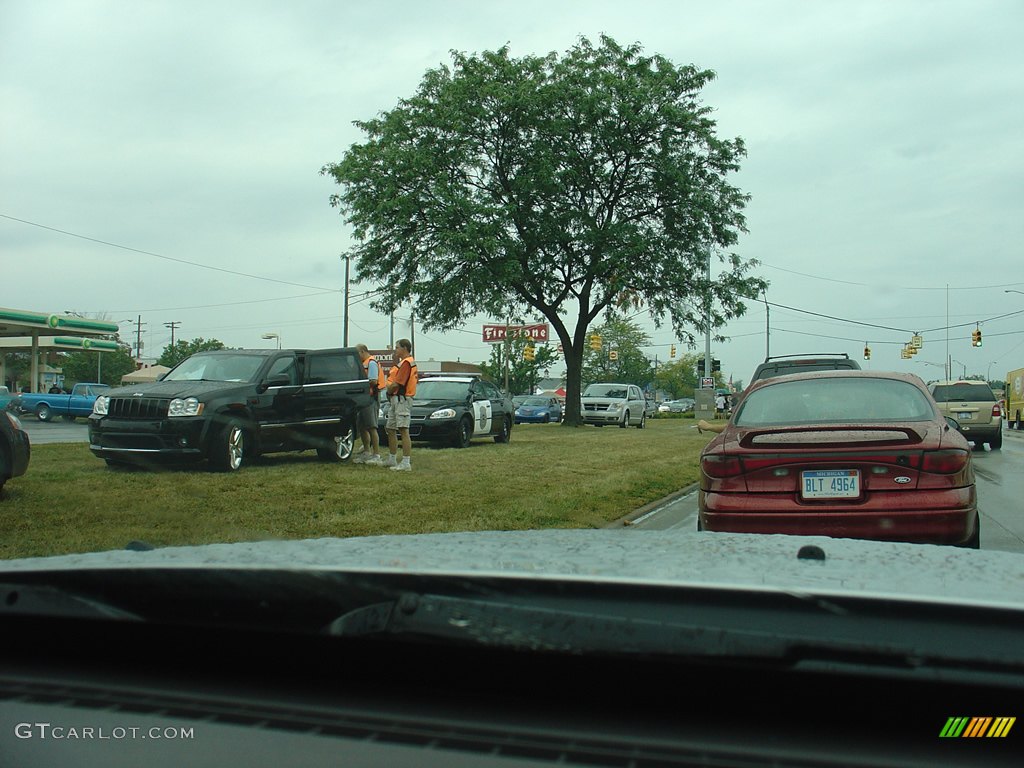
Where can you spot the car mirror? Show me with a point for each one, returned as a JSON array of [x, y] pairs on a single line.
[[951, 422], [280, 380]]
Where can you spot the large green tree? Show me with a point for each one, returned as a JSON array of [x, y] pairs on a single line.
[[108, 366], [172, 355], [523, 374], [558, 185], [626, 339]]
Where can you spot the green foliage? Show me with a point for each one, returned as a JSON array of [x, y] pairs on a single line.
[[108, 366], [631, 365], [522, 374], [171, 356], [550, 185]]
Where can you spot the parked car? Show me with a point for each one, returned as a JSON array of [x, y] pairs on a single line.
[[539, 410], [457, 408], [230, 406], [852, 454], [682, 405], [15, 448], [46, 405], [621, 404], [974, 405], [6, 397]]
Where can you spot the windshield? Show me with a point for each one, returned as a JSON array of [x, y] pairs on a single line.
[[616, 212], [615, 391], [948, 393], [442, 390], [835, 400], [217, 368]]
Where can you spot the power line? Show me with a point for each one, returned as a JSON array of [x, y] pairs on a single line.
[[157, 255], [869, 285]]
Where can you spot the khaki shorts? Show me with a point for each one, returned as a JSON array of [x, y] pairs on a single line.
[[399, 413]]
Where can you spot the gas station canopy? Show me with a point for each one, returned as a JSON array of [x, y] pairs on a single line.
[[22, 330]]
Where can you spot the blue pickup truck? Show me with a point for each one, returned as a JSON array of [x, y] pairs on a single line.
[[45, 406]]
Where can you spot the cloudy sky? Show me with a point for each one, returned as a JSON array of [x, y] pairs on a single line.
[[162, 159]]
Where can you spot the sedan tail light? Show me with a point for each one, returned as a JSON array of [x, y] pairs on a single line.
[[945, 462], [720, 466]]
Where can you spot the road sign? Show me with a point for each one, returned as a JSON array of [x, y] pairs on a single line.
[[494, 333], [707, 383]]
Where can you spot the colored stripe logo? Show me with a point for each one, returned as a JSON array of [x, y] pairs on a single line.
[[977, 727]]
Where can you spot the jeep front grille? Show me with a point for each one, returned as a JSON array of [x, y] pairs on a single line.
[[138, 407]]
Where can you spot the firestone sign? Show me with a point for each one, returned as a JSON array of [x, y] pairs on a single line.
[[535, 332]]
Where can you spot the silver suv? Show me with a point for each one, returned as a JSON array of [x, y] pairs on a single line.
[[974, 406], [622, 404]]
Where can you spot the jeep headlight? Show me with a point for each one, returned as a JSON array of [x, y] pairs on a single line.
[[101, 405], [188, 406], [444, 413]]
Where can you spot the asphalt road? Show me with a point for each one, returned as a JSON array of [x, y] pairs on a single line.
[[57, 431], [1000, 492]]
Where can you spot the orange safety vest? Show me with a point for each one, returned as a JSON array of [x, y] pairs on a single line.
[[408, 388], [378, 385]]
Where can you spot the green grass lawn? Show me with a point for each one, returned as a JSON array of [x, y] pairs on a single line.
[[549, 476]]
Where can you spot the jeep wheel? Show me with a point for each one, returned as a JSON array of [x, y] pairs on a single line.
[[463, 433], [43, 412], [228, 447], [506, 431], [340, 449]]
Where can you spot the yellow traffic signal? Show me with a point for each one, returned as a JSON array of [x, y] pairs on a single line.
[[672, 351], [595, 342], [528, 353], [976, 337], [613, 355]]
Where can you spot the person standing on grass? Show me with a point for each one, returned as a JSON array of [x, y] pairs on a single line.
[[366, 418], [719, 404], [401, 388]]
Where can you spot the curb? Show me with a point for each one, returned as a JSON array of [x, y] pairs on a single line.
[[628, 518]]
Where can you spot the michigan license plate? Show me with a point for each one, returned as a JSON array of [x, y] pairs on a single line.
[[830, 484]]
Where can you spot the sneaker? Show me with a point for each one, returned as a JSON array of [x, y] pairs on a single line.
[[374, 461], [403, 467], [390, 461], [360, 458]]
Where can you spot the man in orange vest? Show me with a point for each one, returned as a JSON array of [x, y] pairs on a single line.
[[401, 387], [366, 418]]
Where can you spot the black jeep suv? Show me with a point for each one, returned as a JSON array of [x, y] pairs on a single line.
[[232, 405]]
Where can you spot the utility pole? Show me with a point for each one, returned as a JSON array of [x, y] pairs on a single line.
[[347, 259], [138, 339], [707, 319], [172, 325]]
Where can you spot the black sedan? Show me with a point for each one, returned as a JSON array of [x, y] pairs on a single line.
[[455, 409], [14, 447]]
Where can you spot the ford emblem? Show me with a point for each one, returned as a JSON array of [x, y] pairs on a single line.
[[902, 479]]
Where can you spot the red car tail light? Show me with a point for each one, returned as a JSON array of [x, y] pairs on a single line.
[[996, 413], [945, 462], [720, 466]]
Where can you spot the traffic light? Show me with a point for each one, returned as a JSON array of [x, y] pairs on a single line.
[[867, 352], [613, 355], [716, 365], [976, 337], [700, 367], [595, 342], [672, 351], [528, 353]]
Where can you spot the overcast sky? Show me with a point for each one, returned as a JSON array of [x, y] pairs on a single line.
[[884, 164]]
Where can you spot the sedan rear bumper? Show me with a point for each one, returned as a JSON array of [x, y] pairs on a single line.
[[949, 520]]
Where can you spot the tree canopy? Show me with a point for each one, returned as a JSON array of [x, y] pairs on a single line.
[[559, 185], [85, 365], [631, 365], [523, 374], [172, 355]]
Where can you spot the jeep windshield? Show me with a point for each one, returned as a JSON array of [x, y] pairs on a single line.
[[220, 367]]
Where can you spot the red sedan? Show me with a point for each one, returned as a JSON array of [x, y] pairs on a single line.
[[853, 454]]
